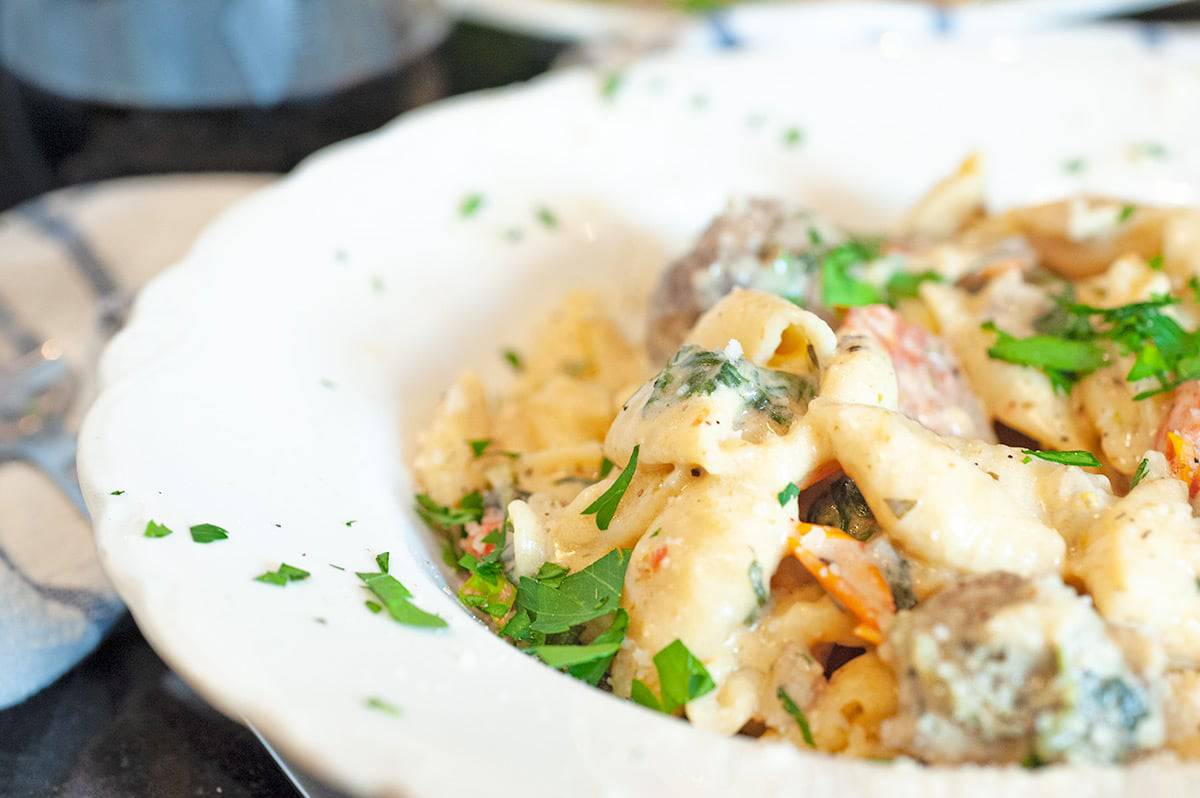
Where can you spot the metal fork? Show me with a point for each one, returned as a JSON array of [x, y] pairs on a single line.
[[37, 390]]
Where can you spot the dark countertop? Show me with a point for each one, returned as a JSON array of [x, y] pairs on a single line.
[[122, 724]]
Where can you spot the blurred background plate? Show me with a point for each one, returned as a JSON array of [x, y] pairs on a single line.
[[1001, 25], [646, 20]]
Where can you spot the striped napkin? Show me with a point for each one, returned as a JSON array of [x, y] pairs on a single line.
[[59, 256]]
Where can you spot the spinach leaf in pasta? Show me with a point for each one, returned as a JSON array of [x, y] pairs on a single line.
[[841, 505], [695, 371]]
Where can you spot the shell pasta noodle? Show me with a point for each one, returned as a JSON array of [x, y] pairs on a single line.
[[930, 493]]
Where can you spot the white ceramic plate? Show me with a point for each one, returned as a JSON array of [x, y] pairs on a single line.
[[273, 383], [849, 20]]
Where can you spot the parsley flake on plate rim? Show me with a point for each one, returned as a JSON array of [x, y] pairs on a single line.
[[207, 533], [157, 530], [394, 597], [282, 575]]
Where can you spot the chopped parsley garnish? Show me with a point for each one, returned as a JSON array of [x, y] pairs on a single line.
[[286, 573], [755, 573], [906, 285], [551, 574], [1060, 322], [351, 523], [1032, 761], [1156, 263], [580, 597], [382, 561], [513, 359], [565, 656], [606, 466], [470, 205], [380, 705], [681, 678], [587, 662], [394, 597], [1154, 149], [1073, 457], [1127, 212], [478, 447], [839, 288], [593, 672], [1163, 350], [790, 491], [611, 84], [470, 508], [373, 606], [207, 533], [1194, 284], [488, 589], [547, 218], [656, 532], [1140, 473], [605, 506], [156, 530], [793, 709], [449, 557], [793, 137], [641, 694], [1063, 360], [496, 536], [117, 493]]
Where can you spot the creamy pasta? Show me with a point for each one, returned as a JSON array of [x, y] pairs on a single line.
[[928, 494]]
